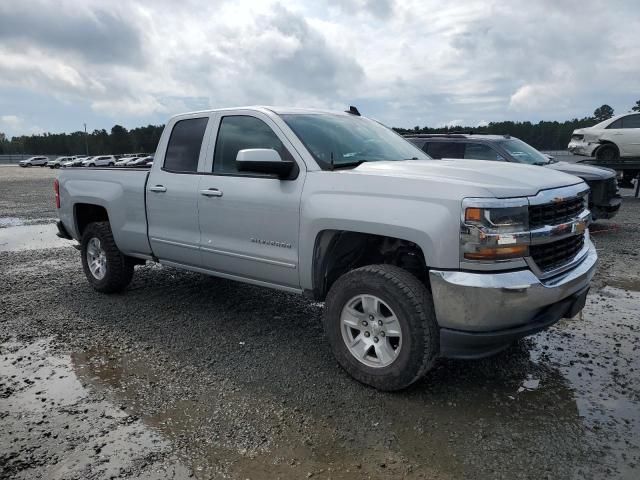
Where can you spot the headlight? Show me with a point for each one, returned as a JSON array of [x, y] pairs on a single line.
[[494, 230]]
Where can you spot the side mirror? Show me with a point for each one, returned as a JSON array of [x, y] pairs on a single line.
[[263, 160], [550, 157]]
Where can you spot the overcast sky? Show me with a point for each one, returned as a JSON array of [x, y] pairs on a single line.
[[405, 62]]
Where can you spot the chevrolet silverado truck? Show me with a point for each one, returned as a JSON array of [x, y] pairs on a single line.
[[414, 258]]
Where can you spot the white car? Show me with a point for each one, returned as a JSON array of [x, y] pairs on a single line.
[[141, 162], [74, 162], [57, 163], [100, 161], [29, 162], [617, 137], [124, 161]]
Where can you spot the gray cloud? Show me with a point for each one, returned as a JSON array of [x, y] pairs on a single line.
[[380, 9], [311, 65], [99, 34], [405, 63]]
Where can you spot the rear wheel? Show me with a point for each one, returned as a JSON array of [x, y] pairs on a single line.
[[107, 269], [607, 153], [381, 325]]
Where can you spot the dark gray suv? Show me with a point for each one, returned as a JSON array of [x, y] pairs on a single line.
[[604, 199]]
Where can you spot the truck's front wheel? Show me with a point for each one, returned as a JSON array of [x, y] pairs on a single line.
[[381, 325], [107, 268]]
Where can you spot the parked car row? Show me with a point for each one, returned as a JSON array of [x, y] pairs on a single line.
[[128, 160]]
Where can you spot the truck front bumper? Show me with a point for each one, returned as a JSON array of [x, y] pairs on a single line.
[[606, 211], [480, 314]]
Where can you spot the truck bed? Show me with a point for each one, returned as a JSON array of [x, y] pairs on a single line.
[[121, 191]]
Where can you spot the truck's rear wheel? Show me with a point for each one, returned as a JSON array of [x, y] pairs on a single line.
[[107, 269], [381, 325]]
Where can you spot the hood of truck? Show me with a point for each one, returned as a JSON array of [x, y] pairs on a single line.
[[498, 179], [586, 172]]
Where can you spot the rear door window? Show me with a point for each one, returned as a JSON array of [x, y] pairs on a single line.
[[632, 121], [479, 151], [445, 149], [183, 150]]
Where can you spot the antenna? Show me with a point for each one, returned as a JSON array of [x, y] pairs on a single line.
[[352, 111], [331, 164]]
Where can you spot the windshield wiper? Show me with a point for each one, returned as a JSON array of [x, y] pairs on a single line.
[[347, 164]]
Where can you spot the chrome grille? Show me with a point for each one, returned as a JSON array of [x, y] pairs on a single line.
[[550, 256], [555, 213]]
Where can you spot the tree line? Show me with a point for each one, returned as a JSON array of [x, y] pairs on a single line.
[[99, 142], [543, 135]]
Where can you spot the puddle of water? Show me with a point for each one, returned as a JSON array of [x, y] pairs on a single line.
[[10, 222], [31, 237], [600, 360], [56, 429]]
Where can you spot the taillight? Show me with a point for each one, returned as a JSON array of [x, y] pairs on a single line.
[[56, 188]]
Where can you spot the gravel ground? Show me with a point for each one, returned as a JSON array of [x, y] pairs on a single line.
[[189, 376]]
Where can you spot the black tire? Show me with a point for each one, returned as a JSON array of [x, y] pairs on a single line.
[[627, 178], [413, 306], [119, 267], [607, 153]]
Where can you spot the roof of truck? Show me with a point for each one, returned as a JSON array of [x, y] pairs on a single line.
[[275, 109], [457, 136]]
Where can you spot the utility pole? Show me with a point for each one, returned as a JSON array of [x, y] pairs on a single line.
[[86, 140]]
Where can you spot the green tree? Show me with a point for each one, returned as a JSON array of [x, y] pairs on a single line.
[[636, 107], [603, 112], [119, 140]]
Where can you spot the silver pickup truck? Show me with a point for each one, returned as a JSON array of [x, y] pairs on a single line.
[[415, 258]]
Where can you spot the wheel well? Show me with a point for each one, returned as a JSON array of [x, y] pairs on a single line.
[[338, 251], [86, 213], [606, 143]]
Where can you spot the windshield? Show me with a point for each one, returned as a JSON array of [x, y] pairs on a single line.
[[524, 153], [347, 140]]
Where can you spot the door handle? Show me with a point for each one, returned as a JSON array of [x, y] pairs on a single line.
[[158, 188], [211, 192]]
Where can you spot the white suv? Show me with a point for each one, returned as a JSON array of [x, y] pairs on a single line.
[[57, 163], [29, 162], [100, 161], [617, 137]]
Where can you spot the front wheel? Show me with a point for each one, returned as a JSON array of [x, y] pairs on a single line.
[[107, 269], [381, 324], [607, 153]]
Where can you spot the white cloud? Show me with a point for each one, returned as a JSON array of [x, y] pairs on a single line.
[[404, 62], [10, 120]]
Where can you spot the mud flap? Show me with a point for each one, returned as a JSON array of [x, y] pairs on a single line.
[[579, 301]]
